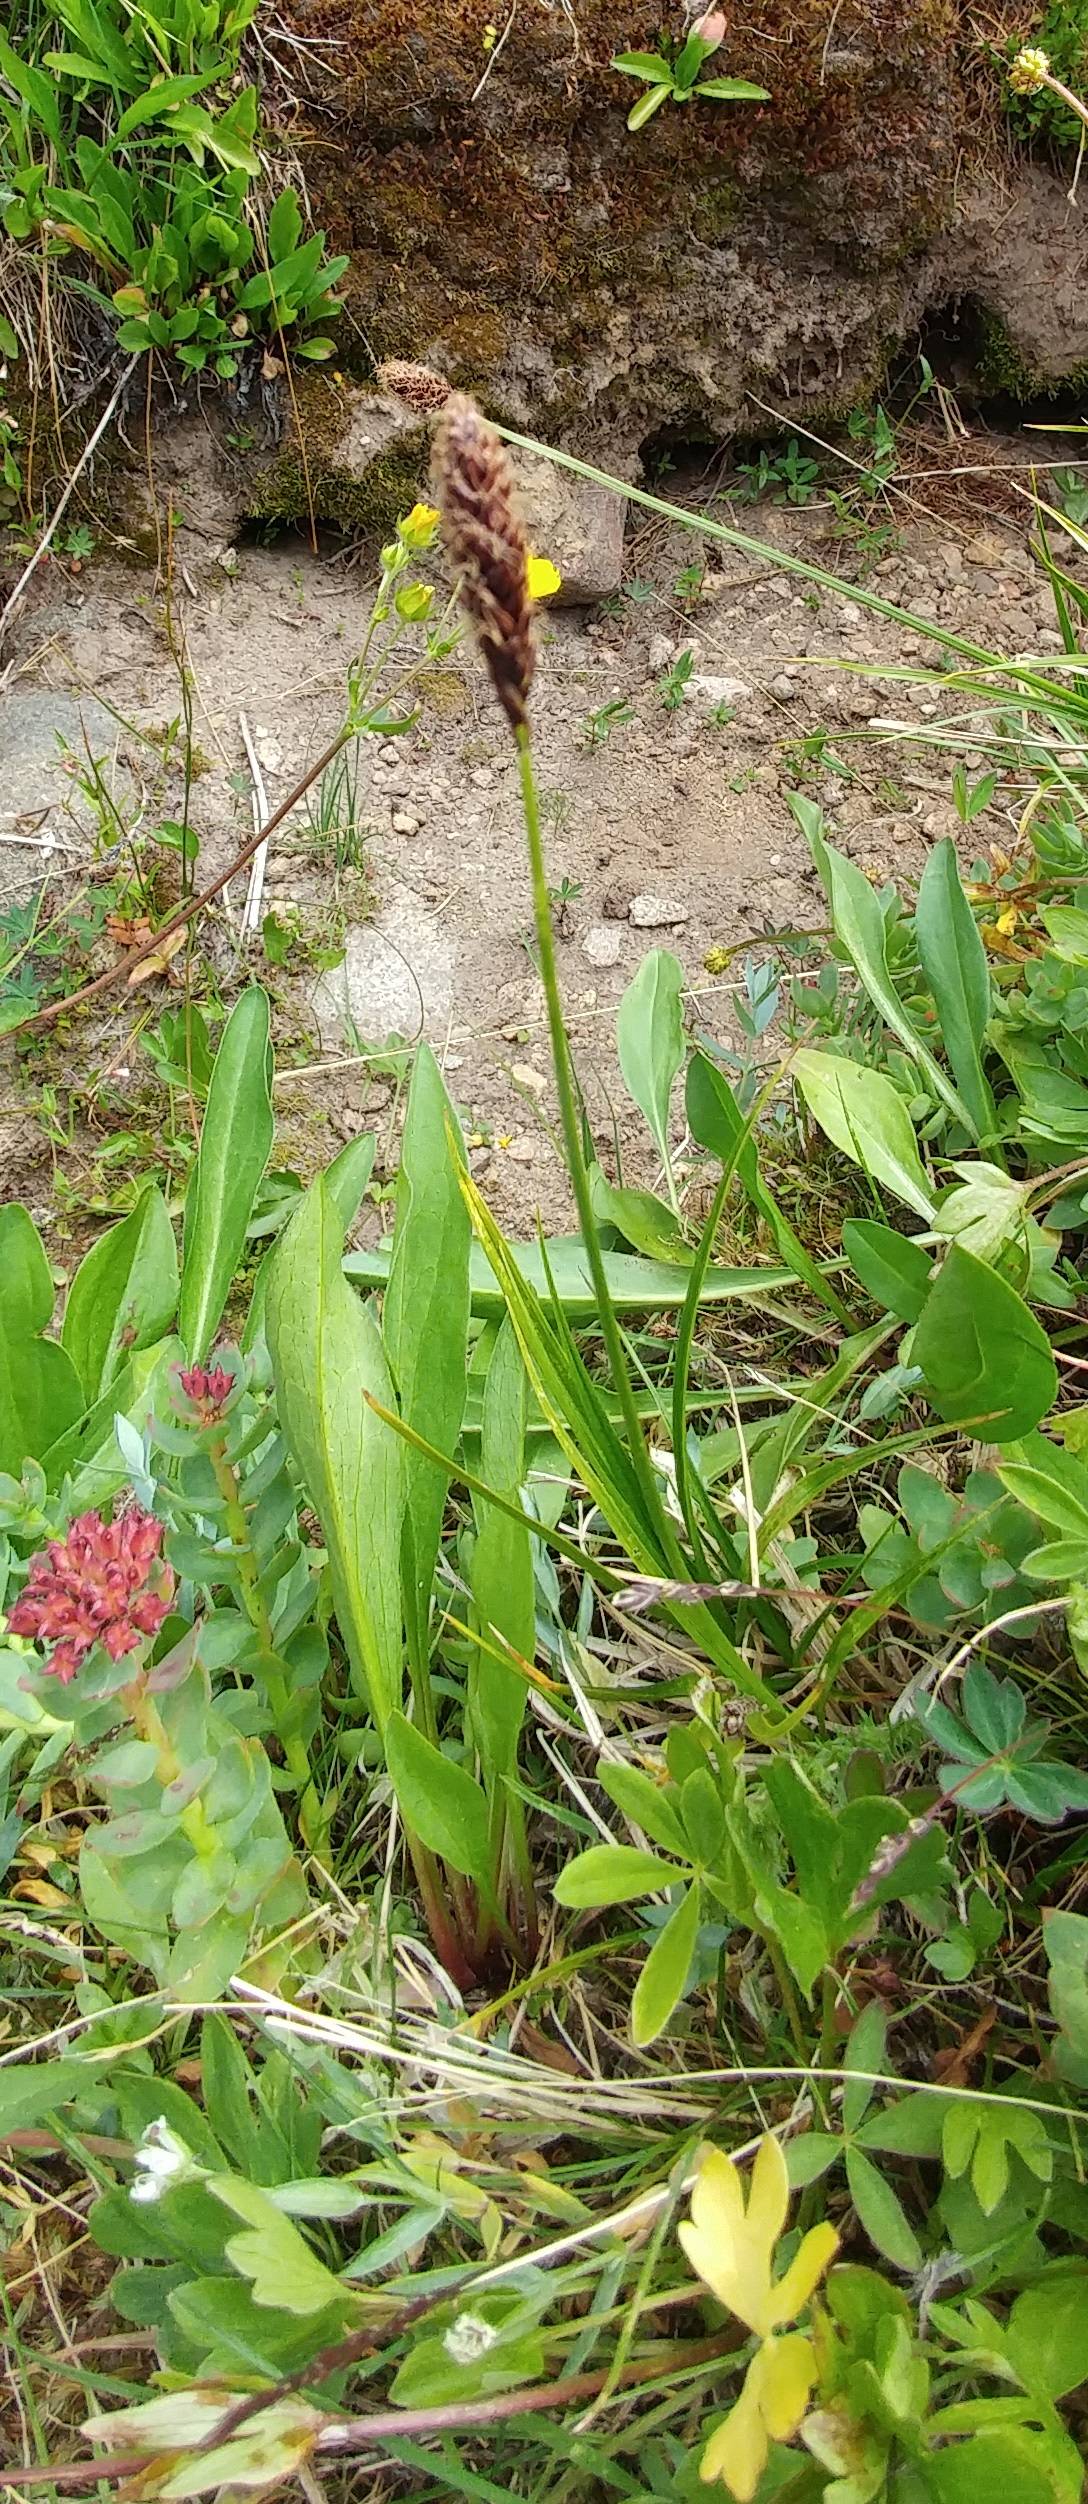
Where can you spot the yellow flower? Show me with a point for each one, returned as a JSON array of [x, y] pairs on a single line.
[[774, 2397], [732, 2247], [418, 527], [543, 578], [1029, 72]]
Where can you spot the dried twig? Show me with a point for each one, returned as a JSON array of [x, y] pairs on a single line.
[[187, 912], [251, 917]]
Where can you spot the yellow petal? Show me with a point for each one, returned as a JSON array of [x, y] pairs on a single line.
[[783, 2376], [543, 578], [805, 2271], [717, 2243], [737, 2450], [768, 2197], [418, 527]]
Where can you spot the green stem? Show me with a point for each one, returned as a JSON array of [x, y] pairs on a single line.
[[312, 1814], [572, 1142]]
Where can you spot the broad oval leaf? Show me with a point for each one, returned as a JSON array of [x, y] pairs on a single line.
[[864, 1115], [124, 1294], [235, 1143], [986, 1359], [439, 1802], [880, 2212], [893, 1269]]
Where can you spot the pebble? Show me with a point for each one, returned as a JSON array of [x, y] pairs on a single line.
[[524, 1075], [405, 822], [984, 549], [522, 1151], [657, 913], [660, 652], [704, 688], [602, 944], [482, 778]]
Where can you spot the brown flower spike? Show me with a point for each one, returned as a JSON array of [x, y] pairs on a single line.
[[487, 547], [415, 385]]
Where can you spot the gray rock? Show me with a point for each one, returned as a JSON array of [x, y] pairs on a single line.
[[579, 526], [396, 977], [405, 822], [708, 691], [657, 913], [602, 944]]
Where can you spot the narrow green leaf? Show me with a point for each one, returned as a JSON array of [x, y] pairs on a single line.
[[985, 1357], [326, 1350], [717, 1124], [439, 1802], [425, 1321], [501, 1571], [124, 1294], [1051, 1482], [650, 1038], [865, 1115], [235, 1143], [561, 1263], [613, 1873], [954, 963], [346, 1178], [642, 1801], [647, 105], [859, 923], [664, 1975], [864, 2051]]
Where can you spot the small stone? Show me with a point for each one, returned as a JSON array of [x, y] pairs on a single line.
[[784, 682], [952, 561], [984, 549], [482, 778], [657, 913], [390, 753], [405, 822], [602, 944], [524, 1075], [708, 691], [522, 1151], [660, 652]]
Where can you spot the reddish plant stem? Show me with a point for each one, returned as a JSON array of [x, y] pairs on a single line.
[[395, 2424], [186, 912]]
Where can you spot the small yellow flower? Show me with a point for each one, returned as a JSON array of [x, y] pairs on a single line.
[[731, 2244], [418, 527], [775, 2394], [489, 38], [732, 2247], [1030, 71], [543, 578]]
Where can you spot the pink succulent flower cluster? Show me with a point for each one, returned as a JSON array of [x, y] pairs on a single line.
[[105, 1583], [209, 1388]]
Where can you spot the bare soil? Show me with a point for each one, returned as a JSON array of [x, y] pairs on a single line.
[[680, 814]]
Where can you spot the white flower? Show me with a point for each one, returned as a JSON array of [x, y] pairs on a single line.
[[469, 2338], [162, 2159]]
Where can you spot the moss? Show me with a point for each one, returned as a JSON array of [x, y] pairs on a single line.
[[291, 488], [1002, 372]]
